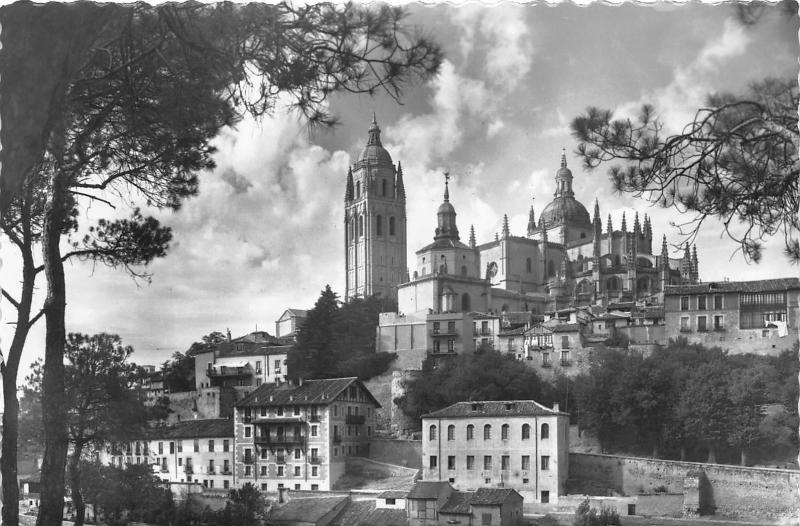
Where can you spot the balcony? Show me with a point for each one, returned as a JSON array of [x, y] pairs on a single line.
[[685, 329], [355, 419], [547, 365], [164, 469], [226, 471], [443, 332], [211, 471], [719, 329], [279, 439], [225, 371]]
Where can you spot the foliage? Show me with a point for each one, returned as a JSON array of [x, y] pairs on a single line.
[[691, 398], [737, 161], [339, 340], [585, 515], [488, 375], [179, 373]]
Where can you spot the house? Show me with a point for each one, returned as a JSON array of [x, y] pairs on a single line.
[[517, 444], [486, 506], [425, 500], [740, 316], [192, 451], [313, 511], [298, 436], [287, 324]]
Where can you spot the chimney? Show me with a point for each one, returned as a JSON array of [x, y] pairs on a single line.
[[555, 407]]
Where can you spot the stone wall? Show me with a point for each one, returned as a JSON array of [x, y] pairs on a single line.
[[730, 490]]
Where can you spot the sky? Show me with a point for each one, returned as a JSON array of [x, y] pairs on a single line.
[[266, 233]]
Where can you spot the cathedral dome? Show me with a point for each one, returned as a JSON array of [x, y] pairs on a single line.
[[374, 152], [565, 209]]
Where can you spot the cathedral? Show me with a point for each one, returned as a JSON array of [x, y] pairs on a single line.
[[565, 259]]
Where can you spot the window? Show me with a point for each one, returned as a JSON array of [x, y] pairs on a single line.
[[436, 327], [487, 432], [315, 471], [383, 187], [297, 471], [197, 444], [248, 471], [314, 431], [701, 302], [718, 302], [391, 226], [470, 462], [226, 445], [528, 265], [263, 471], [701, 324], [486, 519], [505, 462], [451, 432], [226, 466], [685, 325], [432, 462], [545, 462], [264, 453], [545, 359], [360, 226], [358, 189], [545, 497], [451, 462], [297, 410], [487, 462], [451, 345], [280, 471], [160, 448], [379, 224], [226, 484], [390, 501], [526, 432], [565, 342], [719, 322], [279, 411], [504, 432], [684, 302], [470, 432], [247, 433], [451, 327], [297, 453], [172, 448], [180, 446], [210, 446], [526, 462], [432, 433]]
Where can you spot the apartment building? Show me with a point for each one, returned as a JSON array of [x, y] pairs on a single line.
[[196, 451], [740, 316], [298, 436], [518, 444], [248, 361]]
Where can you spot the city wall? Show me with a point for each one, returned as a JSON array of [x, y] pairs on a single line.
[[729, 490], [406, 453]]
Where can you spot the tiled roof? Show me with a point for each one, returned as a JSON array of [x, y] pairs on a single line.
[[443, 243], [312, 392], [385, 517], [483, 316], [458, 503], [494, 408], [763, 285], [301, 313], [305, 510], [513, 332], [354, 512], [567, 327], [393, 494], [491, 496], [206, 428], [427, 490]]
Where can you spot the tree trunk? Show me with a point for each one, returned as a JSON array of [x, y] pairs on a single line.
[[743, 458], [54, 419], [75, 485], [712, 454]]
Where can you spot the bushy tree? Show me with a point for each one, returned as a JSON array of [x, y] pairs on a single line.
[[586, 515]]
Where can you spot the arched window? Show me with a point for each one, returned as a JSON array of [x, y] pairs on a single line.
[[616, 260], [504, 432], [613, 283], [391, 226], [358, 189], [526, 432], [383, 187], [545, 431], [360, 226], [379, 225], [470, 432], [432, 433], [528, 265], [451, 432], [551, 269], [465, 303], [487, 432]]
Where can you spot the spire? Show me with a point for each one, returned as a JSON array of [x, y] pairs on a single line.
[[664, 252], [472, 243], [695, 269], [637, 227], [399, 189], [563, 157], [596, 218], [446, 187], [609, 226], [348, 190], [374, 133], [446, 216], [624, 224], [531, 222], [506, 232]]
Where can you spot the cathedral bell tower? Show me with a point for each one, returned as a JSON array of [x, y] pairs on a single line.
[[375, 222]]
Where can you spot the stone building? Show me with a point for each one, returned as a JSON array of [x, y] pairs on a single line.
[[518, 444], [247, 361], [740, 316], [289, 322], [375, 222], [298, 436]]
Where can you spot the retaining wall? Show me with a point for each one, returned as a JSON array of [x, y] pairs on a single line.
[[399, 452], [731, 490]]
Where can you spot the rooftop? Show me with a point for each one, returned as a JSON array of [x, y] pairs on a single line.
[[393, 494], [427, 490], [494, 408], [458, 503], [385, 517], [308, 392], [491, 496], [308, 510], [762, 285], [207, 428]]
